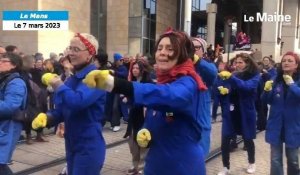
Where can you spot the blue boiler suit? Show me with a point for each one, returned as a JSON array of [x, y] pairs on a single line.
[[246, 90], [82, 109], [175, 129], [208, 72], [12, 98], [283, 124]]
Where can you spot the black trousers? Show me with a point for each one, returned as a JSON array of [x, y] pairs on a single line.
[[225, 147], [116, 111], [262, 114]]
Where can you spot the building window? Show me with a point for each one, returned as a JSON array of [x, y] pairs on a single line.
[[202, 32], [279, 24], [149, 8], [149, 26], [98, 17], [196, 5], [298, 25], [199, 5], [203, 4]]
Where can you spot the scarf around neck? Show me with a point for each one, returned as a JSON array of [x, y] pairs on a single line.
[[4, 75], [186, 68]]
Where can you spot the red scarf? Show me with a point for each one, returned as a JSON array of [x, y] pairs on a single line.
[[186, 68]]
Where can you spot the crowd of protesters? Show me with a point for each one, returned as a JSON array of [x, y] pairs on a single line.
[[79, 91]]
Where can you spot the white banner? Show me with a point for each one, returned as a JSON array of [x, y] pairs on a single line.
[[35, 25]]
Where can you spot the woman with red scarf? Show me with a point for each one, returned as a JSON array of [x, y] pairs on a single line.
[[173, 134]]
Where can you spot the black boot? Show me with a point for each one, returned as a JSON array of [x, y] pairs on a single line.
[[28, 139]]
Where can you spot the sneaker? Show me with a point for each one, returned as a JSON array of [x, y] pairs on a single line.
[[251, 168], [132, 171], [225, 171], [116, 128]]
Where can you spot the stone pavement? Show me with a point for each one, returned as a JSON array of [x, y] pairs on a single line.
[[118, 158], [27, 156], [239, 159]]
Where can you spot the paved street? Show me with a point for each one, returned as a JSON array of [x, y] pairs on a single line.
[[118, 157]]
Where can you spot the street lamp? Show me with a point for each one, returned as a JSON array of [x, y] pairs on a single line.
[[229, 23]]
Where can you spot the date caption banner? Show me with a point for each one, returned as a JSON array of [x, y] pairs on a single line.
[[35, 20]]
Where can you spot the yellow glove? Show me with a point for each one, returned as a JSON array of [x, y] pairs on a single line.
[[268, 85], [100, 79], [143, 138], [47, 77], [288, 79], [223, 90], [224, 75], [196, 58], [40, 121]]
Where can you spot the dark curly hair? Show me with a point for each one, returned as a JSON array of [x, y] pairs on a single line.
[[144, 67], [251, 67], [182, 45]]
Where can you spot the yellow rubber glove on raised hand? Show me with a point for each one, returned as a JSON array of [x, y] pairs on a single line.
[[196, 58], [40, 121], [223, 90], [288, 79], [268, 85], [100, 79], [47, 77], [143, 138], [224, 75]]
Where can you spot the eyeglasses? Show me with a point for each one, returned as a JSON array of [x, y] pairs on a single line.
[[75, 49], [197, 47]]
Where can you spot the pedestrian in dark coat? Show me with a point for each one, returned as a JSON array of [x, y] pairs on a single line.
[[138, 72]]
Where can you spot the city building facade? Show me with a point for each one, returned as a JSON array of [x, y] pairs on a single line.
[[131, 26]]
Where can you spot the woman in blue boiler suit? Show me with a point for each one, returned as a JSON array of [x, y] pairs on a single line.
[[208, 72], [283, 125], [237, 94], [173, 134], [80, 108]]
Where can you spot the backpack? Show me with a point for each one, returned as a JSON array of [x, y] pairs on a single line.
[[36, 100]]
